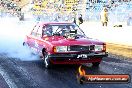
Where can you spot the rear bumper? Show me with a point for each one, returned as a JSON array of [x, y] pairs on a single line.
[[77, 58]]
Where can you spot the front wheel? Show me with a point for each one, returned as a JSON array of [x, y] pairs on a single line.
[[47, 61]]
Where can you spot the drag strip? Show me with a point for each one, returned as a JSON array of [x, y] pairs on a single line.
[[32, 74], [7, 79], [3, 82], [16, 77]]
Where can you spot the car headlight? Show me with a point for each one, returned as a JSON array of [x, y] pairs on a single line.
[[60, 49], [98, 48]]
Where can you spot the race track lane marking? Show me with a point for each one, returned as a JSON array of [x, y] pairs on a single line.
[[6, 77]]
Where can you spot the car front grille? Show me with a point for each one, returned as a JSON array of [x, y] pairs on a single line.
[[81, 48]]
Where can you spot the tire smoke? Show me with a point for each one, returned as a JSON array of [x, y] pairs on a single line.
[[12, 34]]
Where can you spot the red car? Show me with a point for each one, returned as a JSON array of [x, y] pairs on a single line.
[[64, 43]]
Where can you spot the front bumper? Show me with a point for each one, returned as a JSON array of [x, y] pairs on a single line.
[[77, 58]]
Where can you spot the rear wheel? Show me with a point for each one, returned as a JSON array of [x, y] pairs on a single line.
[[25, 44], [47, 61], [96, 64]]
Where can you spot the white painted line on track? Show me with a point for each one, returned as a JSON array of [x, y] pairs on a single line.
[[7, 78]]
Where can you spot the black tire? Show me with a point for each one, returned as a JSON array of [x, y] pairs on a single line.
[[25, 44], [96, 64], [47, 62]]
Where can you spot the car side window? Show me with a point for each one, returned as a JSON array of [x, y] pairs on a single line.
[[34, 31], [39, 32], [47, 30]]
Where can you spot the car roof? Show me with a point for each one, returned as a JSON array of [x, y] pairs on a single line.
[[53, 23]]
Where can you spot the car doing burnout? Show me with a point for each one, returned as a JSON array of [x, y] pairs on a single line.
[[64, 43]]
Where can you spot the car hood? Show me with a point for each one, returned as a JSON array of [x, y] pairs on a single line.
[[61, 41]]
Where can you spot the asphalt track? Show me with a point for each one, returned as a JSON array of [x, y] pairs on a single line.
[[32, 74]]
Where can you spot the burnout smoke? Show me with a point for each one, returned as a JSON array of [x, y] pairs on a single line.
[[12, 34]]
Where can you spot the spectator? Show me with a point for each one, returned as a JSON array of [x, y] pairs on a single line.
[[104, 16], [80, 19], [74, 20]]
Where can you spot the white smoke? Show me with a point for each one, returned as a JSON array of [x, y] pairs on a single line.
[[12, 34]]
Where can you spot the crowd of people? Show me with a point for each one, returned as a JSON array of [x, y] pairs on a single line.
[[56, 11], [11, 7], [8, 6]]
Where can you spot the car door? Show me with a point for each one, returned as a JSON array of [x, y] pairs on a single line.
[[39, 41], [32, 37]]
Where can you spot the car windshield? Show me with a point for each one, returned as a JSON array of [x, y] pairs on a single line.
[[63, 29]]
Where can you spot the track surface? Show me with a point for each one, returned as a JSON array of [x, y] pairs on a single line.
[[32, 74]]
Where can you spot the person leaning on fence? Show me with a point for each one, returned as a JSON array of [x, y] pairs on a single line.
[[80, 19], [104, 17]]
